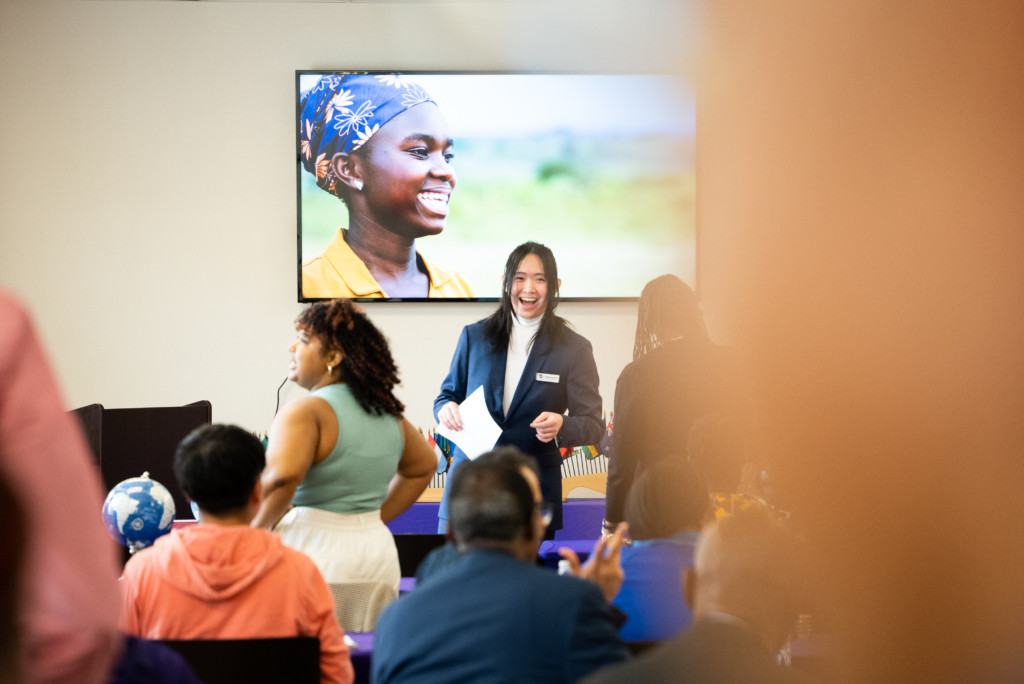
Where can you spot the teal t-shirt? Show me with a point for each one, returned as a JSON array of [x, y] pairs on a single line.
[[354, 478]]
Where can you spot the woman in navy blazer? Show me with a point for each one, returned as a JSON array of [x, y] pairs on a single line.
[[532, 368]]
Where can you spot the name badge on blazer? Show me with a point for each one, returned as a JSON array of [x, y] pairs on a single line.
[[547, 377]]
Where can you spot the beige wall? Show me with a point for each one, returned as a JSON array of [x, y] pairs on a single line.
[[148, 212]]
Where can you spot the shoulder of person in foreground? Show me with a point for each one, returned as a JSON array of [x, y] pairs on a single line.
[[69, 609]]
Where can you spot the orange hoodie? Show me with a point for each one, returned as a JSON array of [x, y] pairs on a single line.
[[231, 582]]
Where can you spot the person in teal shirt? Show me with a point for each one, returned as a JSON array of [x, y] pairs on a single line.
[[343, 461]]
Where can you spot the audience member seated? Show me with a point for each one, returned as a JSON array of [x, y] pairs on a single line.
[[494, 616], [221, 578], [67, 612], [743, 592], [715, 448], [665, 509]]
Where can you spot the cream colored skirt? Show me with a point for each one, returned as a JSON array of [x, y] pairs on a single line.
[[356, 554]]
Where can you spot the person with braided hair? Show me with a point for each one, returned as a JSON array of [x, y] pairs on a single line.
[[343, 461], [677, 375]]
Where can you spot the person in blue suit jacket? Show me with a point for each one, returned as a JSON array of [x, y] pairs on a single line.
[[533, 368], [492, 616]]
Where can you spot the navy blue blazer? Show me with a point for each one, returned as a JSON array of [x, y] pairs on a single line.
[[571, 383], [494, 619]]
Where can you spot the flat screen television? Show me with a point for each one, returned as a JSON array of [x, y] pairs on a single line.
[[598, 167]]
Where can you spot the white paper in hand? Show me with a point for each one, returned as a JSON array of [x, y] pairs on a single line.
[[479, 431]]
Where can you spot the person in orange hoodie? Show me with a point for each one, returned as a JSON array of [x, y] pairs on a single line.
[[221, 578]]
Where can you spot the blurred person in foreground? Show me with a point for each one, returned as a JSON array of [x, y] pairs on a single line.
[[493, 615], [221, 578], [743, 593], [68, 609]]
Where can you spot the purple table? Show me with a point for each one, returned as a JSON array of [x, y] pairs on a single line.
[[581, 519], [548, 551], [362, 655]]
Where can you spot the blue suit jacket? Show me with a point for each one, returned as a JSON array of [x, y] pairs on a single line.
[[571, 361], [492, 618]]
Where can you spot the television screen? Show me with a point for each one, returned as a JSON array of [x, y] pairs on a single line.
[[418, 185]]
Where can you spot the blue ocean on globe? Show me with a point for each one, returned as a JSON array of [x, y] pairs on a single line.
[[137, 511]]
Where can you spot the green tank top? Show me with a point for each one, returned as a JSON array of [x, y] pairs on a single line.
[[354, 478]]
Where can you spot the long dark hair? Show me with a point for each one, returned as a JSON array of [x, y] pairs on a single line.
[[668, 310], [366, 364], [498, 328]]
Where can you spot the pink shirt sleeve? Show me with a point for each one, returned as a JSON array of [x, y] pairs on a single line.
[[71, 600]]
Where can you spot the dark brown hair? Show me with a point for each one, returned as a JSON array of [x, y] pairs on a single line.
[[366, 363], [498, 328]]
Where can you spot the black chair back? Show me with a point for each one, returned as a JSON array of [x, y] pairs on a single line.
[[413, 548], [291, 660]]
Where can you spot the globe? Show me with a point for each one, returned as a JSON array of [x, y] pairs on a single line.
[[137, 511]]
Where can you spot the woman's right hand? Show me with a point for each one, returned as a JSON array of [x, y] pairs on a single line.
[[449, 416]]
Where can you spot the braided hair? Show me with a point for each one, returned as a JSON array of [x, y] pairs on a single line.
[[668, 310], [366, 363]]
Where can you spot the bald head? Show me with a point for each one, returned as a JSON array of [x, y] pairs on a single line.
[[746, 566]]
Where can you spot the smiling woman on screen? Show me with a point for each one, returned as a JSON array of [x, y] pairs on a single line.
[[380, 144]]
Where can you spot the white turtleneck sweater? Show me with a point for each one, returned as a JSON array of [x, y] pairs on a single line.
[[519, 344]]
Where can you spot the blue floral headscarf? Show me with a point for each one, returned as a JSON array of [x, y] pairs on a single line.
[[341, 112]]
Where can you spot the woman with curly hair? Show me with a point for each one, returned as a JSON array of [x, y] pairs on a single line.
[[343, 461]]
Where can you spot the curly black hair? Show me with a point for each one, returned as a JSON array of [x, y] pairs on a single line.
[[366, 363]]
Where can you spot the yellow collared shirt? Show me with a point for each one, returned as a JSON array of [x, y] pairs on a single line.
[[338, 272]]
